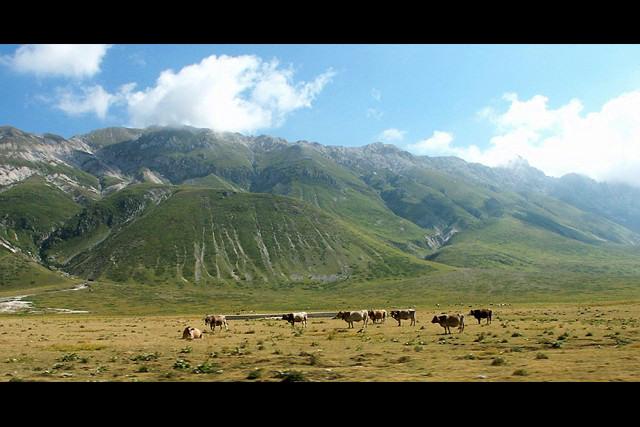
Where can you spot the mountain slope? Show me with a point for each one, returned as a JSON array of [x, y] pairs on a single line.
[[30, 211], [211, 236], [133, 204]]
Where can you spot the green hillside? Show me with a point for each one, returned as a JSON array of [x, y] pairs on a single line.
[[19, 273], [31, 210], [209, 236], [509, 243], [99, 220], [303, 173]]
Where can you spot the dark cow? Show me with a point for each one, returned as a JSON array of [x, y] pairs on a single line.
[[354, 316], [448, 320], [296, 317], [380, 315], [404, 315], [214, 320], [483, 313]]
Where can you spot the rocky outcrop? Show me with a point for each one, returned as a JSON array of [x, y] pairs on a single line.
[[440, 237]]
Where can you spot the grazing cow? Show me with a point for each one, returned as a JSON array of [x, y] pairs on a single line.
[[483, 313], [191, 333], [404, 315], [296, 317], [354, 316], [448, 320], [214, 320], [380, 315]]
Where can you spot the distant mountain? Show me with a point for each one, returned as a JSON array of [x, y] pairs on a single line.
[[109, 193]]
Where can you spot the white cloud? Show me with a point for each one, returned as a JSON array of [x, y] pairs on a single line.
[[391, 135], [93, 99], [67, 60], [376, 94], [439, 144], [604, 144], [373, 113], [238, 94]]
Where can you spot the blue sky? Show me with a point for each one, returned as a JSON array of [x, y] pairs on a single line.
[[483, 103]]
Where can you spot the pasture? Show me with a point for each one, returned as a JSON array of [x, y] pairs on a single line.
[[525, 342]]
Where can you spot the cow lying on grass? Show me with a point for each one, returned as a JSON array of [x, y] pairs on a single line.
[[191, 333]]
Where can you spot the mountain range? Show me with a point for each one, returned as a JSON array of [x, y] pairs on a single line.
[[166, 205]]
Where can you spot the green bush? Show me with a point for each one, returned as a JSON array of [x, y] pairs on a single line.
[[498, 361], [181, 364]]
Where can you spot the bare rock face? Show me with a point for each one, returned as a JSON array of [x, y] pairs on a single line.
[[440, 237]]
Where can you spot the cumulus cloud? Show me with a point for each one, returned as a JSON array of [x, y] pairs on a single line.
[[603, 144], [391, 135], [66, 60], [91, 100], [376, 94], [227, 93], [439, 144]]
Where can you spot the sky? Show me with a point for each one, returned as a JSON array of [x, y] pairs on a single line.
[[563, 108]]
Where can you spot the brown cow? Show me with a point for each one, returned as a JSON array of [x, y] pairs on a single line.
[[483, 313], [380, 315], [448, 320], [354, 316], [404, 315], [214, 320], [190, 333]]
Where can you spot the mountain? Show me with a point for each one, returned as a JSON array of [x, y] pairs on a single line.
[[163, 204], [30, 211], [215, 235]]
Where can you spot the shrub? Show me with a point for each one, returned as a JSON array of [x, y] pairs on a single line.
[[291, 376], [516, 334], [498, 361], [205, 368], [255, 374], [589, 334], [186, 350], [404, 359], [142, 369], [520, 373], [540, 356], [146, 357], [181, 364], [70, 357]]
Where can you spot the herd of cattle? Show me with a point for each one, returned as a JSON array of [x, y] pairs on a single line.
[[377, 316]]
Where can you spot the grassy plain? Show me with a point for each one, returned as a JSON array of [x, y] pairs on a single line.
[[525, 342]]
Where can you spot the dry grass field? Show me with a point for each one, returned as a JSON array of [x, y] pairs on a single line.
[[525, 342]]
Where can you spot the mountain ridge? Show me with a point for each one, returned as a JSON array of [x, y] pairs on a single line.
[[425, 207]]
